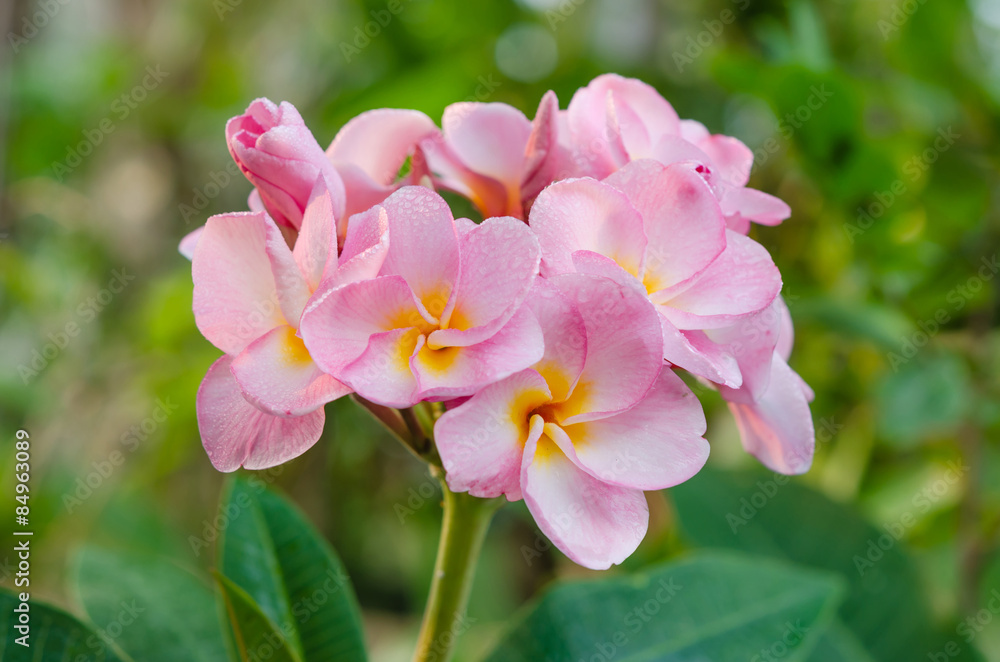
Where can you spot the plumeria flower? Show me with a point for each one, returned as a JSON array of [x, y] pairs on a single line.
[[372, 149], [584, 431], [262, 403], [616, 120], [661, 230], [493, 155], [281, 158], [444, 317]]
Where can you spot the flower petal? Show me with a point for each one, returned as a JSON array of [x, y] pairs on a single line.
[[235, 433], [236, 296], [316, 246], [777, 429], [339, 321], [584, 214], [656, 444], [382, 373], [423, 245], [462, 370], [684, 225], [624, 347], [755, 205], [499, 259], [743, 280], [188, 243], [277, 375], [481, 441], [595, 524], [565, 336]]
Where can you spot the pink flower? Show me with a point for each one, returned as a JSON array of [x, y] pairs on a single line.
[[583, 432], [616, 120], [262, 403], [278, 154], [443, 318], [661, 230], [370, 151], [493, 155]]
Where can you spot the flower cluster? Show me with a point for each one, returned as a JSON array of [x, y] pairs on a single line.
[[612, 255]]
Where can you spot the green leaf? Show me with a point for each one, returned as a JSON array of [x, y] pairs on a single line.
[[271, 551], [55, 636], [838, 644], [153, 609], [711, 607], [766, 514], [256, 637]]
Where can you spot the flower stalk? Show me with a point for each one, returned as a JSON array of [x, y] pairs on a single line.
[[466, 520]]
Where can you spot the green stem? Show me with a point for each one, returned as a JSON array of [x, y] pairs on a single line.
[[466, 519]]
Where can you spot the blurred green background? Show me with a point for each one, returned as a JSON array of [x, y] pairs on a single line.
[[876, 120]]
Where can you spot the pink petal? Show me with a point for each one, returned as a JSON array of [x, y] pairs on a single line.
[[370, 150], [752, 341], [491, 198], [456, 371], [654, 445], [565, 339], [188, 243], [481, 441], [499, 263], [777, 429], [339, 321], [277, 375], [595, 524], [489, 139], [683, 223], [382, 373], [730, 157], [696, 353], [316, 246], [544, 155], [235, 433], [584, 214], [236, 298], [423, 245], [624, 347], [755, 205], [741, 281]]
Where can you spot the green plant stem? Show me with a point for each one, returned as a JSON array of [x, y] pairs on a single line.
[[466, 520]]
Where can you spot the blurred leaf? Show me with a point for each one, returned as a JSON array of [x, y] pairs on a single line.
[[257, 637], [925, 397], [155, 610], [838, 644], [766, 514], [55, 636], [711, 607], [273, 553]]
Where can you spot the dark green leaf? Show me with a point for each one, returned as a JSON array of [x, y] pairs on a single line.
[[55, 636], [273, 553], [714, 607], [256, 637], [153, 609]]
